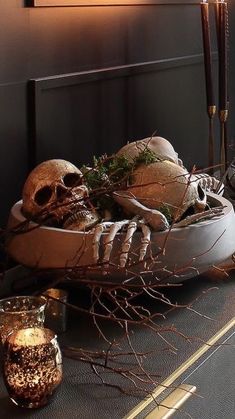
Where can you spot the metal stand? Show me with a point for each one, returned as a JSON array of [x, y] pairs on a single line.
[[211, 113], [223, 115]]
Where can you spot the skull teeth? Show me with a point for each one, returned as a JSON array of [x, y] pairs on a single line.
[[81, 220]]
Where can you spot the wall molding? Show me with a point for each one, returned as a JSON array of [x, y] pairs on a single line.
[[90, 3], [37, 86], [127, 70]]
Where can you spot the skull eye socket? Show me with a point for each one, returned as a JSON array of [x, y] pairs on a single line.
[[201, 193], [72, 179], [43, 195]]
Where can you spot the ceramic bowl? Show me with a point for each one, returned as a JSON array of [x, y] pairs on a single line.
[[180, 254]]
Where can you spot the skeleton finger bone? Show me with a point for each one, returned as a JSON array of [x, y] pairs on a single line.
[[99, 229], [108, 241], [127, 242], [145, 239], [205, 215], [154, 218], [114, 228]]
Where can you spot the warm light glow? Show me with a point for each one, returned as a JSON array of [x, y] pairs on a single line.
[[29, 337], [55, 3]]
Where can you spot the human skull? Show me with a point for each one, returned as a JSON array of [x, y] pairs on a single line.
[[54, 188], [166, 184], [158, 145]]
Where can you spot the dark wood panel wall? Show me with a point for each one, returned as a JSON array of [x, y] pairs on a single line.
[[80, 81]]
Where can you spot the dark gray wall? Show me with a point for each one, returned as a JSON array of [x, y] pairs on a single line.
[[150, 77]]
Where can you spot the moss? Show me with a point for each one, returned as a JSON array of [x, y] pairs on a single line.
[[119, 168], [146, 156], [110, 173], [107, 171]]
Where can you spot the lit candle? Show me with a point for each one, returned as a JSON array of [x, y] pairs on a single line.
[[32, 366], [207, 53]]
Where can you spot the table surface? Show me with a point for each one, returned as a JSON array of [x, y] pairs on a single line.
[[82, 395]]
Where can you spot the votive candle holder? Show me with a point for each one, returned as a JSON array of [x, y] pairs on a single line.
[[56, 309], [21, 312], [32, 366]]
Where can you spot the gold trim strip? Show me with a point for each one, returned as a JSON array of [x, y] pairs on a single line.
[[179, 371], [172, 402]]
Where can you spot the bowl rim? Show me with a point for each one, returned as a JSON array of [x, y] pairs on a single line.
[[227, 208]]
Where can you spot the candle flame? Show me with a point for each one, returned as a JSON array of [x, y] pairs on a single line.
[[31, 336]]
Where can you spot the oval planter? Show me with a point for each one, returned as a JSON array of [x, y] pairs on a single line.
[[174, 256]]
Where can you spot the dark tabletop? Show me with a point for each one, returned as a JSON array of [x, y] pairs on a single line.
[[82, 395]]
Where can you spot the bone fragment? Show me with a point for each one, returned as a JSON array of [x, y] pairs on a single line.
[[96, 240], [145, 239], [108, 241], [154, 218], [127, 243], [208, 183], [205, 215]]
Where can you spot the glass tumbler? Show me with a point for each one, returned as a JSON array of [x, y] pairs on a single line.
[[32, 366], [56, 311], [20, 312]]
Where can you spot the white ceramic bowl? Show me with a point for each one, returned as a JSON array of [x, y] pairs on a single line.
[[188, 251]]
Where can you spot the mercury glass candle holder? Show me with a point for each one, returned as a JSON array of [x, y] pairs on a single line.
[[32, 366], [20, 312]]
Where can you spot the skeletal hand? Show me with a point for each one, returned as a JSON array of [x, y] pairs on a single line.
[[145, 219]]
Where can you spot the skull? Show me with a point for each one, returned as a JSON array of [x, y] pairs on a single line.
[[54, 189], [160, 146], [166, 184]]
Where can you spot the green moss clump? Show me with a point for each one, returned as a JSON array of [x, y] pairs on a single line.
[[110, 173], [146, 157], [119, 168], [107, 171]]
